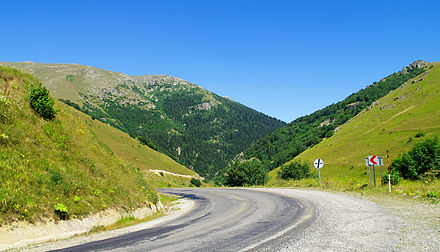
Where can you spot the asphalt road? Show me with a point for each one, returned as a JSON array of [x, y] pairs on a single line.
[[222, 220]]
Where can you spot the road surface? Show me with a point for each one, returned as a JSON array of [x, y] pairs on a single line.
[[222, 220]]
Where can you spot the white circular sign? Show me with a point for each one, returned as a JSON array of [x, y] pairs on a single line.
[[318, 163]]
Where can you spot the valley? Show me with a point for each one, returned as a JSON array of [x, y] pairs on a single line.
[[394, 114], [220, 126]]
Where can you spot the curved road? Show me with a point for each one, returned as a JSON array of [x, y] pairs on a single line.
[[222, 220]]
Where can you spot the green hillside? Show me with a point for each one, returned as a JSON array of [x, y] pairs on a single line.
[[131, 150], [59, 162], [395, 122], [195, 127], [142, 157], [289, 141]]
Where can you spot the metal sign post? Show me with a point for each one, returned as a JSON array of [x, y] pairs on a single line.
[[318, 163], [367, 162], [369, 171], [381, 165], [374, 175]]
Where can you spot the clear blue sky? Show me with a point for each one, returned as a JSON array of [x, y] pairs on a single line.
[[283, 58]]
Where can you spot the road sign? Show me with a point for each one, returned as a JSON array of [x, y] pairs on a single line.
[[318, 163], [373, 160], [380, 161]]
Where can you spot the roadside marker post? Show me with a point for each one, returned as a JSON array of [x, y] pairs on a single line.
[[318, 163], [389, 174]]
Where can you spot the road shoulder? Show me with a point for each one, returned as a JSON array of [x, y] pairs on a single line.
[[339, 221]]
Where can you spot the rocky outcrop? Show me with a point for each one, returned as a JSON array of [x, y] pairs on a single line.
[[415, 64]]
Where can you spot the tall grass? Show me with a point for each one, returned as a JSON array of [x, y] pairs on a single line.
[[45, 163]]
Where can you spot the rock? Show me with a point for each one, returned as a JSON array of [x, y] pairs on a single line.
[[326, 122], [352, 105], [418, 64], [404, 70]]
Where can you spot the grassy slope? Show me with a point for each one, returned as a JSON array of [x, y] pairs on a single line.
[[131, 150], [54, 78], [373, 132], [140, 156], [43, 163]]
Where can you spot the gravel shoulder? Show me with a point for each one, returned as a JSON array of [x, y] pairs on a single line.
[[420, 221], [360, 223]]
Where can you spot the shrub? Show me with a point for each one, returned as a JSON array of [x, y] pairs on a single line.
[[294, 170], [42, 102], [422, 158], [76, 199], [195, 182], [61, 211], [420, 134], [250, 172], [395, 177], [69, 77]]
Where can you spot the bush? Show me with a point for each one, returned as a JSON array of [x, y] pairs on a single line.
[[420, 134], [295, 170], [42, 102], [195, 182], [250, 172], [395, 178], [70, 77], [61, 211], [423, 157]]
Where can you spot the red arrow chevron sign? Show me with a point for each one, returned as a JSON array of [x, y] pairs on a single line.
[[373, 160]]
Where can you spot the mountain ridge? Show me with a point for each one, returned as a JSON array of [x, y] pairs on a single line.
[[195, 127]]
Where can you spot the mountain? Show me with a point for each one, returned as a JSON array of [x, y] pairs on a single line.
[[45, 164], [195, 127], [395, 122], [305, 132]]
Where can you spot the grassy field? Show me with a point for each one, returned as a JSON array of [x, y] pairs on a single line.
[[395, 123], [59, 162]]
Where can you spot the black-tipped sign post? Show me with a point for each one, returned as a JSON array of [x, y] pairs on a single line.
[[318, 165]]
